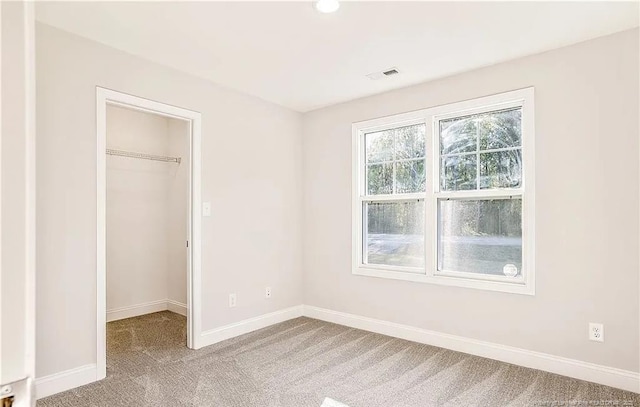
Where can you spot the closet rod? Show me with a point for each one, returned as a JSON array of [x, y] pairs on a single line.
[[143, 156]]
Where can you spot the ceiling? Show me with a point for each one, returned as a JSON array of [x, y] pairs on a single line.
[[289, 54]]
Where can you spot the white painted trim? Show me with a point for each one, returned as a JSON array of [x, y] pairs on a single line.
[[25, 370], [591, 372], [67, 380], [194, 254], [1, 134], [608, 376], [72, 378], [249, 325], [30, 189], [101, 234], [131, 311], [106, 97], [177, 307]]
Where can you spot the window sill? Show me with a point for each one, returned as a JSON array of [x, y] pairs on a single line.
[[527, 288]]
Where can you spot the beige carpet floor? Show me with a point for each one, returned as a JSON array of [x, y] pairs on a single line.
[[300, 362]]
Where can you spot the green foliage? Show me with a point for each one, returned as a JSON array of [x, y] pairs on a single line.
[[405, 218], [395, 160], [395, 165], [464, 140], [495, 217]]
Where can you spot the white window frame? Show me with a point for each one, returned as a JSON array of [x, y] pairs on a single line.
[[524, 283]]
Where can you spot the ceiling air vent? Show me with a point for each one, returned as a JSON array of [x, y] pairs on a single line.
[[387, 72]]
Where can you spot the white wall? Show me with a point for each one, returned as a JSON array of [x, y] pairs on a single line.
[[17, 183], [251, 174], [586, 209], [146, 223], [587, 238]]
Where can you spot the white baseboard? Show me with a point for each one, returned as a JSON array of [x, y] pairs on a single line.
[[177, 307], [248, 325], [622, 379], [69, 379], [136, 310], [146, 308]]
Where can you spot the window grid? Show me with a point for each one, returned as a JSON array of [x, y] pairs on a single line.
[[395, 154], [477, 154], [393, 162], [477, 194], [478, 151], [435, 192], [368, 198], [492, 150], [399, 160]]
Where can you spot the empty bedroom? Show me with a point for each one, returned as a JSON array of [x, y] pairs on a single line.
[[320, 203]]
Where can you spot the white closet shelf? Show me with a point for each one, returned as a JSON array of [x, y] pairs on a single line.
[[143, 156]]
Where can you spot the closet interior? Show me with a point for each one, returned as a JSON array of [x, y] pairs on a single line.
[[147, 213]]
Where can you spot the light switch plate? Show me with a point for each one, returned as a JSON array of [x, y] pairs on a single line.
[[206, 209]]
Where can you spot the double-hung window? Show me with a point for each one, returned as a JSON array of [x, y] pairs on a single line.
[[445, 194]]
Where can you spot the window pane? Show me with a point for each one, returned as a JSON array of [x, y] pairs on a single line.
[[501, 129], [394, 234], [410, 142], [379, 146], [379, 179], [502, 169], [458, 135], [410, 176], [481, 236], [458, 172]]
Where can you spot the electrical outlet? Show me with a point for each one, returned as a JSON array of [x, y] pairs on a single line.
[[232, 300], [267, 292], [596, 332]]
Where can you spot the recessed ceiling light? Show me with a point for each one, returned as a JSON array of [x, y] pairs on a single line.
[[326, 6]]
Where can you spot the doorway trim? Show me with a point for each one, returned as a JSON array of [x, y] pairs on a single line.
[[104, 98]]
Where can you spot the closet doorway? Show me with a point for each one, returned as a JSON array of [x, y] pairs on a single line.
[[148, 215]]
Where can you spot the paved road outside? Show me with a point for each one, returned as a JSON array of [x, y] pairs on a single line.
[[473, 254]]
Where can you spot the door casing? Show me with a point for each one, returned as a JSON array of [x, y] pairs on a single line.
[[104, 98]]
